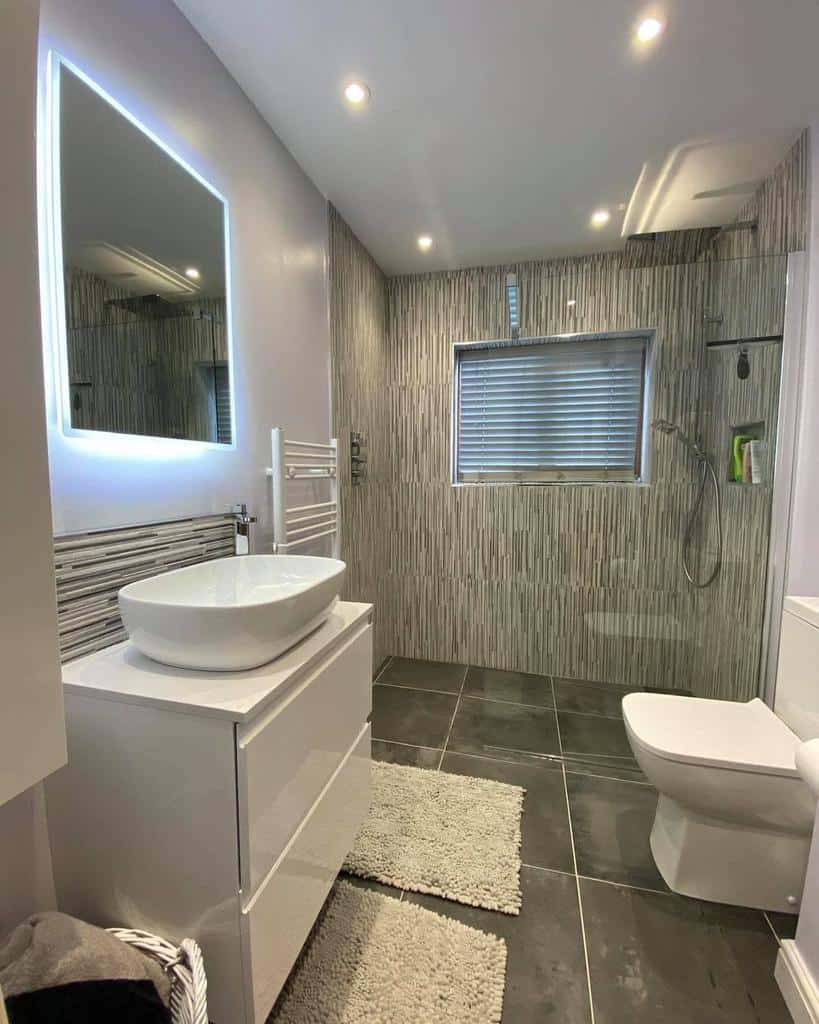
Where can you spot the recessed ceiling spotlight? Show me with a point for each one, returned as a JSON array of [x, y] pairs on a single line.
[[600, 218], [424, 243], [356, 94], [192, 273], [648, 29]]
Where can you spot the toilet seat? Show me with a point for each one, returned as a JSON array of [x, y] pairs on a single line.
[[714, 733]]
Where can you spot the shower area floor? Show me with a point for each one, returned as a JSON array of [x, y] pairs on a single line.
[[600, 939]]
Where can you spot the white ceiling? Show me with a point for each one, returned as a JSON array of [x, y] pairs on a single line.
[[498, 126]]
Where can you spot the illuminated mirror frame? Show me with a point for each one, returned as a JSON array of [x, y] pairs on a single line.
[[52, 287]]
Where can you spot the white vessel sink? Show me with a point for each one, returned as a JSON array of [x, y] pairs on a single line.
[[231, 613]]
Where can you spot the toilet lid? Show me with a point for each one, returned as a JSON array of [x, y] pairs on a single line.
[[721, 734]]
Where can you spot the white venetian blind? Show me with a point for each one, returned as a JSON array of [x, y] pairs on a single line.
[[221, 388], [550, 410]]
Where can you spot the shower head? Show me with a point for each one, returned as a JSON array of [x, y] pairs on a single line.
[[667, 427]]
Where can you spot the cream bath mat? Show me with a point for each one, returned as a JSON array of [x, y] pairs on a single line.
[[378, 960], [448, 835]]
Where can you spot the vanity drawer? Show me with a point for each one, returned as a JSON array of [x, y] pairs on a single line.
[[281, 914], [285, 758]]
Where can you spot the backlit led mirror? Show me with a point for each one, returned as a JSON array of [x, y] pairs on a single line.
[[144, 270]]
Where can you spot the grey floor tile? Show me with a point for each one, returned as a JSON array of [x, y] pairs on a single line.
[[424, 675], [590, 698], [611, 823], [508, 731], [517, 687], [411, 716], [545, 973], [596, 738], [783, 924], [403, 753], [546, 840], [655, 958]]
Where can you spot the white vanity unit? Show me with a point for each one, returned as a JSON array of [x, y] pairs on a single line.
[[216, 805]]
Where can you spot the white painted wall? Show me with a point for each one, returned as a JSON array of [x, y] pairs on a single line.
[[803, 564], [32, 727], [146, 55]]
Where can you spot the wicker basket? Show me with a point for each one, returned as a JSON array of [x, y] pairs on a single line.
[[184, 965]]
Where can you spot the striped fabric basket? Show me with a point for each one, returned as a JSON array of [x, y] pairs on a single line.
[[184, 965]]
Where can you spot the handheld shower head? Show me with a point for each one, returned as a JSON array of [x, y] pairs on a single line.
[[667, 427], [706, 471]]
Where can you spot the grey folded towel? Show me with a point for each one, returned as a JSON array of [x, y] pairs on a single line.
[[52, 949]]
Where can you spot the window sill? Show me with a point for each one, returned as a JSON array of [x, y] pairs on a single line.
[[550, 483]]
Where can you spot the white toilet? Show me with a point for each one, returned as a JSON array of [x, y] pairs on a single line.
[[734, 818]]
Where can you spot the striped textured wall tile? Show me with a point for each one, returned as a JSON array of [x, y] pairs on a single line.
[[136, 375], [358, 313], [577, 581], [780, 207], [91, 567]]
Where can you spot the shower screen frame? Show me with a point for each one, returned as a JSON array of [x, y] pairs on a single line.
[[784, 477]]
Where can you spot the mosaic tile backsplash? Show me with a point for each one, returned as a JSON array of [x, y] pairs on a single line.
[[92, 567]]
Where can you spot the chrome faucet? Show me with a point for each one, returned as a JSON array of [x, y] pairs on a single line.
[[243, 522]]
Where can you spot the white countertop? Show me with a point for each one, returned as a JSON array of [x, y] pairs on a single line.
[[122, 673]]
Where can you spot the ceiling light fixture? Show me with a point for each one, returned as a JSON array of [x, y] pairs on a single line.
[[648, 29], [192, 273], [424, 243], [356, 94], [572, 302], [600, 218]]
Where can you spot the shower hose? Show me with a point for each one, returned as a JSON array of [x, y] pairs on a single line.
[[706, 474]]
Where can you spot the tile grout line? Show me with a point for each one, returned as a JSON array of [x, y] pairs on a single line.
[[625, 885], [452, 720], [574, 864], [773, 930], [557, 727], [496, 700], [602, 881], [400, 743], [551, 871], [548, 762], [579, 905], [607, 778], [384, 668], [477, 696]]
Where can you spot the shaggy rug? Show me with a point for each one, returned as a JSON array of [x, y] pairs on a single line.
[[378, 960], [448, 835]]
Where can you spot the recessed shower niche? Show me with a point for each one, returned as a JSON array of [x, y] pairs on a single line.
[[139, 278], [748, 454]]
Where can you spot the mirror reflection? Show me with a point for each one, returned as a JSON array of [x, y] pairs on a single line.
[[144, 270]]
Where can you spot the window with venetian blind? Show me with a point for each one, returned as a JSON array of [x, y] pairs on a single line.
[[550, 410]]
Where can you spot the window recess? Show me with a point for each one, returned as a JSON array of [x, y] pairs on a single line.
[[550, 410]]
